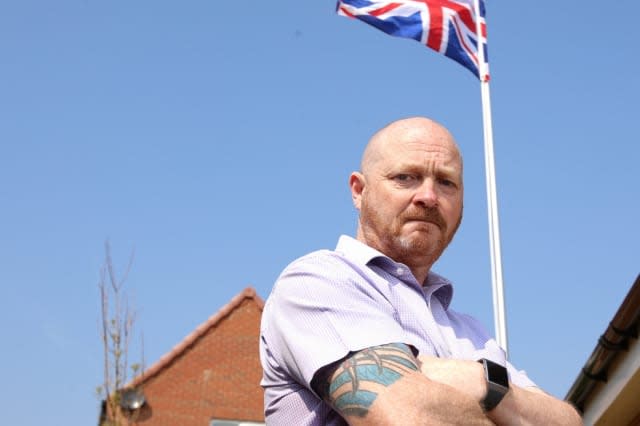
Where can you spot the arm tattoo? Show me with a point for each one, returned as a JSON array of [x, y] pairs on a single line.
[[353, 384]]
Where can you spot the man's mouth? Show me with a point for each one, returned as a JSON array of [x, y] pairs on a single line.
[[433, 221]]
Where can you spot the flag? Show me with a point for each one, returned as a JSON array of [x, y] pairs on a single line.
[[446, 26]]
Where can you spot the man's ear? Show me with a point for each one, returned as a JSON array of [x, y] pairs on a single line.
[[356, 183]]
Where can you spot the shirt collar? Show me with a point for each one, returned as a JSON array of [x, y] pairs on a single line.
[[360, 253], [357, 251]]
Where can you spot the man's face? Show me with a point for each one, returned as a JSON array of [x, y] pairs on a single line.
[[410, 195]]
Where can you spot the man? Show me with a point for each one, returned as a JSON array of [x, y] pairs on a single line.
[[362, 335]]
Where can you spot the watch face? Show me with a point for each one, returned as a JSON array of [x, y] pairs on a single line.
[[497, 373]]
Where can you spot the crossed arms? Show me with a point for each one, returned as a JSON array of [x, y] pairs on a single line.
[[388, 385]]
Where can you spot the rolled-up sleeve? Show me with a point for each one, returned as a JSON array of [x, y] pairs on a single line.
[[319, 311]]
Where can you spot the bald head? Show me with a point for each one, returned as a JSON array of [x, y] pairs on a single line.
[[409, 192], [398, 134]]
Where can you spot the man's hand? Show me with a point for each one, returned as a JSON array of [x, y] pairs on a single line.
[[520, 406], [466, 376]]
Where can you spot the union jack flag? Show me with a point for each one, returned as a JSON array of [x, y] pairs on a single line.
[[446, 26]]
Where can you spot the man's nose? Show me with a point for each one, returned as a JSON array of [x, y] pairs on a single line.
[[426, 194]]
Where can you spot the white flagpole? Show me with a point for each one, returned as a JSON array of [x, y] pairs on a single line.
[[499, 317]]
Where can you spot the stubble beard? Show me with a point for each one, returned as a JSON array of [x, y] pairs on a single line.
[[422, 249], [418, 248]]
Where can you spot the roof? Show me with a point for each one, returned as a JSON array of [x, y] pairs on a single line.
[[613, 349], [212, 321]]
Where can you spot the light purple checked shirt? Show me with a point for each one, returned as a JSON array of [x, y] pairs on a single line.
[[329, 303]]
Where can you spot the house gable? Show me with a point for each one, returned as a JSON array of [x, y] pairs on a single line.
[[214, 373]]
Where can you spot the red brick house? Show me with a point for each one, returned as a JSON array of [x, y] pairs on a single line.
[[212, 377]]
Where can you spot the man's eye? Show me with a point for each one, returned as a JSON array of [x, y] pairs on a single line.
[[404, 177], [446, 182]]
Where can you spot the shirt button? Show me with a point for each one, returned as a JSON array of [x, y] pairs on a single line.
[[400, 271]]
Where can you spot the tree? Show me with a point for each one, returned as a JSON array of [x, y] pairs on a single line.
[[116, 328]]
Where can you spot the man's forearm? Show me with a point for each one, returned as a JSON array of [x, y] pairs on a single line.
[[417, 401], [383, 385], [533, 407], [518, 407]]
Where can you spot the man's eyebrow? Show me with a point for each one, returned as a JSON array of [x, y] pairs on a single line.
[[449, 171]]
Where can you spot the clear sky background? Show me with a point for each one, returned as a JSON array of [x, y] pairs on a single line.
[[216, 139]]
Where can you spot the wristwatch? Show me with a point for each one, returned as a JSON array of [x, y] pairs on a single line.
[[497, 383]]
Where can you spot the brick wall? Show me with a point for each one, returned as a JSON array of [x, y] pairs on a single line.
[[216, 376]]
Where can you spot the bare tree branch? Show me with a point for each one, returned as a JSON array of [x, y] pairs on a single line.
[[117, 325]]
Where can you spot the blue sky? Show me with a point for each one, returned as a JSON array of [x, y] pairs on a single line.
[[216, 138]]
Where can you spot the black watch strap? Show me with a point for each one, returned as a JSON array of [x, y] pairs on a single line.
[[497, 383]]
